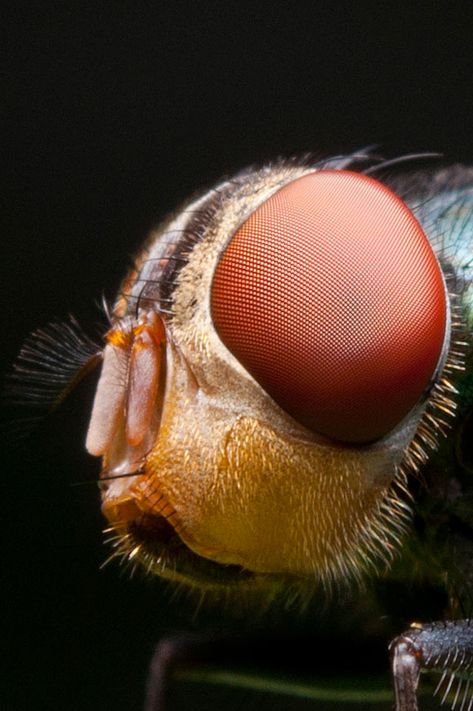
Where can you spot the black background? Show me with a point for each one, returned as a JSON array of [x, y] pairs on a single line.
[[115, 113]]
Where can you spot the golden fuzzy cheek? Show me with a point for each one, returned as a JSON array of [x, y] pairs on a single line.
[[249, 497]]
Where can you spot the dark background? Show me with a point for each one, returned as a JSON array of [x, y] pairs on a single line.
[[115, 112]]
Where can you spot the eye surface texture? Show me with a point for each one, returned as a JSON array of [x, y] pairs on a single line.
[[331, 297]]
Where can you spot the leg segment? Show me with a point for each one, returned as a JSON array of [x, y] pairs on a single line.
[[444, 647]]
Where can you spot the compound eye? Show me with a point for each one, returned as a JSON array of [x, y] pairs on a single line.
[[332, 298]]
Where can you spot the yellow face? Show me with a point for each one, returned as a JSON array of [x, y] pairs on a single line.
[[240, 439]]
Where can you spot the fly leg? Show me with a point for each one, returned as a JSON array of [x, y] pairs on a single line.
[[444, 647], [170, 654], [174, 657]]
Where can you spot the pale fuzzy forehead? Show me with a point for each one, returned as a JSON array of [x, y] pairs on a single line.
[[232, 202]]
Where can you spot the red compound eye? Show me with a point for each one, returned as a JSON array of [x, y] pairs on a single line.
[[332, 298]]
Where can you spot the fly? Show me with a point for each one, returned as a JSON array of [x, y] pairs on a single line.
[[285, 395]]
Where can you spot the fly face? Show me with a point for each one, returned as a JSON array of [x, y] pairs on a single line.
[[278, 360]]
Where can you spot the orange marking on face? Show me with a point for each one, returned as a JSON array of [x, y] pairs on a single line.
[[119, 338]]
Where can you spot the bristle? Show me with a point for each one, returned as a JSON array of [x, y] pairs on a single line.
[[52, 362], [466, 695]]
